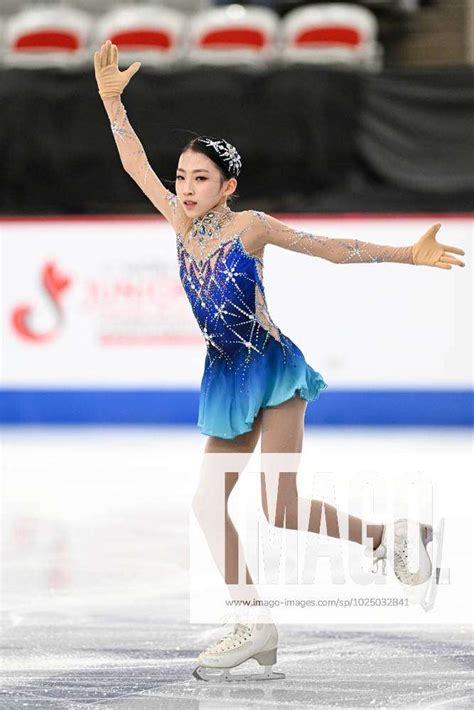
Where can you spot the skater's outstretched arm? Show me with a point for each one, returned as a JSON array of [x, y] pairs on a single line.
[[427, 251], [111, 82]]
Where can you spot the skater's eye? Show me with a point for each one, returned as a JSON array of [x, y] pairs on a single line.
[[199, 177]]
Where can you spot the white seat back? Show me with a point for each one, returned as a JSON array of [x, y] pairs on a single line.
[[151, 35], [47, 37], [233, 35], [333, 33]]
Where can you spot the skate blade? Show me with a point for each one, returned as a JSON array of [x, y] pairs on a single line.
[[424, 594], [428, 602], [224, 674], [417, 593]]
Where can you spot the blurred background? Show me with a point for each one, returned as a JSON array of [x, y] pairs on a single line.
[[353, 120], [363, 106]]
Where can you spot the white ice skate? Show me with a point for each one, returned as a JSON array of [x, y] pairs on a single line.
[[403, 553], [258, 641]]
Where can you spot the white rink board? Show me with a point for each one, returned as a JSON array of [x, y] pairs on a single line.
[[119, 316]]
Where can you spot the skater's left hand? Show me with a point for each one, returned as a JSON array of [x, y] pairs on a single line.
[[428, 252]]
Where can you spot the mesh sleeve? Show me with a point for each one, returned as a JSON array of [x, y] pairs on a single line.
[[135, 163], [340, 251]]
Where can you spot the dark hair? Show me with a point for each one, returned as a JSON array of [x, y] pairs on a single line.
[[198, 147]]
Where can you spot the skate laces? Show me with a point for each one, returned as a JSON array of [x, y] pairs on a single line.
[[234, 638], [401, 555], [401, 560]]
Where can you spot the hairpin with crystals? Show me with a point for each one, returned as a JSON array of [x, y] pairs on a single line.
[[227, 152]]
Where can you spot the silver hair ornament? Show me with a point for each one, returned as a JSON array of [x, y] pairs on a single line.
[[226, 152]]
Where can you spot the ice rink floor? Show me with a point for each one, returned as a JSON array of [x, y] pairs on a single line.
[[95, 572]]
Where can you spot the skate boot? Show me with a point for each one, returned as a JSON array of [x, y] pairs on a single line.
[[421, 585], [245, 641], [401, 553]]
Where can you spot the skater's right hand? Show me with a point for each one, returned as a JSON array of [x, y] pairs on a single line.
[[110, 80]]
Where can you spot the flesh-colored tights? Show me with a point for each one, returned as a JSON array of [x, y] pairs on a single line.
[[281, 430]]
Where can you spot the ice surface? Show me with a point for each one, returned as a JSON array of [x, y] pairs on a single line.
[[134, 659], [95, 601]]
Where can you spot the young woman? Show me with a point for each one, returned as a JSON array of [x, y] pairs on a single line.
[[256, 380]]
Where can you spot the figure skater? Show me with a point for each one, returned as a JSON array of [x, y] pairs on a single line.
[[256, 380]]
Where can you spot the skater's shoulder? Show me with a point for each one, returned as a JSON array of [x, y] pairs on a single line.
[[252, 218]]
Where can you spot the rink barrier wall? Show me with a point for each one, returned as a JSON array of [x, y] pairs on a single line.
[[339, 407], [69, 403]]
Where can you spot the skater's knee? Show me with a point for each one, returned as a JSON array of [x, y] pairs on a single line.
[[282, 517], [284, 511], [276, 520], [207, 506]]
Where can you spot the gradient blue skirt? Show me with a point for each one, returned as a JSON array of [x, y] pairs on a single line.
[[231, 397]]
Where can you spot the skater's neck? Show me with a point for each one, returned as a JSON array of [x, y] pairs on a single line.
[[210, 224]]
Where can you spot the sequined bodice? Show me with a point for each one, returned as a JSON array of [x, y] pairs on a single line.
[[226, 293]]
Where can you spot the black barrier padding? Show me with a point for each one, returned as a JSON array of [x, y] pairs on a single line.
[[311, 138]]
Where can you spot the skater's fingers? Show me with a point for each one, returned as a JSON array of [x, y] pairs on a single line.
[[455, 250], [451, 260], [103, 56], [109, 52], [440, 265]]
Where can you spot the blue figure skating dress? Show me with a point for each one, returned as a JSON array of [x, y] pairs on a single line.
[[250, 364]]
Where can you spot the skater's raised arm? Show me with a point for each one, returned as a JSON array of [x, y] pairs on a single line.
[[111, 82], [427, 251]]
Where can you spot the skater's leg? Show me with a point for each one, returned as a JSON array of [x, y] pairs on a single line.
[[282, 432], [210, 504], [248, 639]]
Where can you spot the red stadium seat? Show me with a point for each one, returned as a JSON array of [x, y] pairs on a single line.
[[48, 36], [151, 35], [334, 33], [233, 35]]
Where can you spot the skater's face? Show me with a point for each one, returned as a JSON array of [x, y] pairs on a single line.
[[200, 186]]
